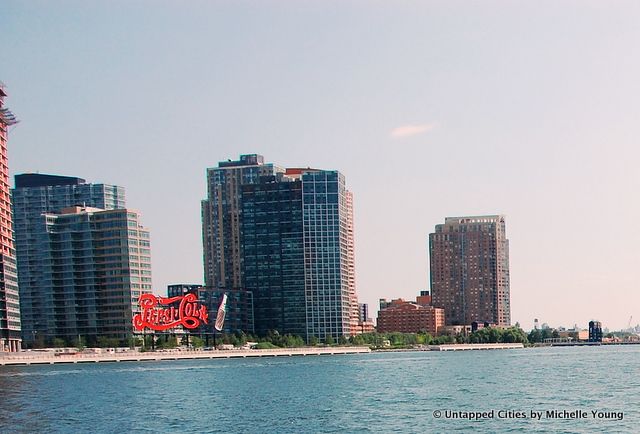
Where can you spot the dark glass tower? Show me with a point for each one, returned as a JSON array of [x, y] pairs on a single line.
[[287, 237], [222, 218], [298, 254], [239, 307], [274, 254], [595, 331]]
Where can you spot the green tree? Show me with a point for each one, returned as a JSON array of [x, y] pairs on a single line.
[[241, 338], [313, 341], [134, 341], [59, 343], [441, 340], [329, 340], [357, 340], [515, 334], [535, 336], [80, 343], [105, 342], [291, 341], [265, 346], [423, 338], [494, 335], [168, 342], [148, 343], [409, 339]]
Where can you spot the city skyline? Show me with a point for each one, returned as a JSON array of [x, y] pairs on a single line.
[[440, 115]]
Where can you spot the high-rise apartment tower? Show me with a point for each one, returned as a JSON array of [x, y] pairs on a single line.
[[34, 195], [93, 266], [469, 261], [222, 218], [286, 236], [9, 296]]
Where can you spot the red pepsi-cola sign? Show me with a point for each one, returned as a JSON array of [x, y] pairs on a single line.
[[163, 313]]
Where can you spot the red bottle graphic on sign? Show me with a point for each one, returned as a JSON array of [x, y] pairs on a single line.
[[219, 324]]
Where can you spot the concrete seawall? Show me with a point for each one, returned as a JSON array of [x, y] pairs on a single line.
[[39, 358], [464, 347]]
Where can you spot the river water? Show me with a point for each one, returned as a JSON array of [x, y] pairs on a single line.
[[525, 390]]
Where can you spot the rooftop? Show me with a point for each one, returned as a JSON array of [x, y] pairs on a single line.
[[24, 180]]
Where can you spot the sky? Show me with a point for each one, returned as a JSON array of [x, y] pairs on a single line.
[[429, 108]]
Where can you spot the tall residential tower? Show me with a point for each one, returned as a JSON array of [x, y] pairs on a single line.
[[221, 218], [286, 236], [469, 259], [34, 195], [9, 296], [93, 265]]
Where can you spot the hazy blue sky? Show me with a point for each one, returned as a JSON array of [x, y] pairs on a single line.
[[430, 109]]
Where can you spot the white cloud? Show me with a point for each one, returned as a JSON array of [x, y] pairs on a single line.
[[410, 130]]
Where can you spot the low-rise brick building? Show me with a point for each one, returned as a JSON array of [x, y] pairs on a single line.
[[409, 317]]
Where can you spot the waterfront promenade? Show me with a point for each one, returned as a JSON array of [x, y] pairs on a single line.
[[50, 358], [467, 347]]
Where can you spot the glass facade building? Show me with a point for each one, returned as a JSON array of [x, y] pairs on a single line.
[[222, 235], [273, 242], [298, 255], [239, 308], [34, 195], [287, 237], [327, 262], [94, 265], [221, 218]]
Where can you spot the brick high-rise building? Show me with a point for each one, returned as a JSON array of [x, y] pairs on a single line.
[[424, 299], [469, 261], [10, 332]]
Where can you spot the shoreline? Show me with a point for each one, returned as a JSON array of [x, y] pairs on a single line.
[[28, 358], [42, 358]]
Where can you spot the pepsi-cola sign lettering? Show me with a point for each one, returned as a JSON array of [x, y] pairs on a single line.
[[161, 313]]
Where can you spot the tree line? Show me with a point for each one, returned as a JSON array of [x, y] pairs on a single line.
[[273, 339]]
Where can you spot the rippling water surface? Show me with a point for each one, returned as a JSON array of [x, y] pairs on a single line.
[[382, 392]]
